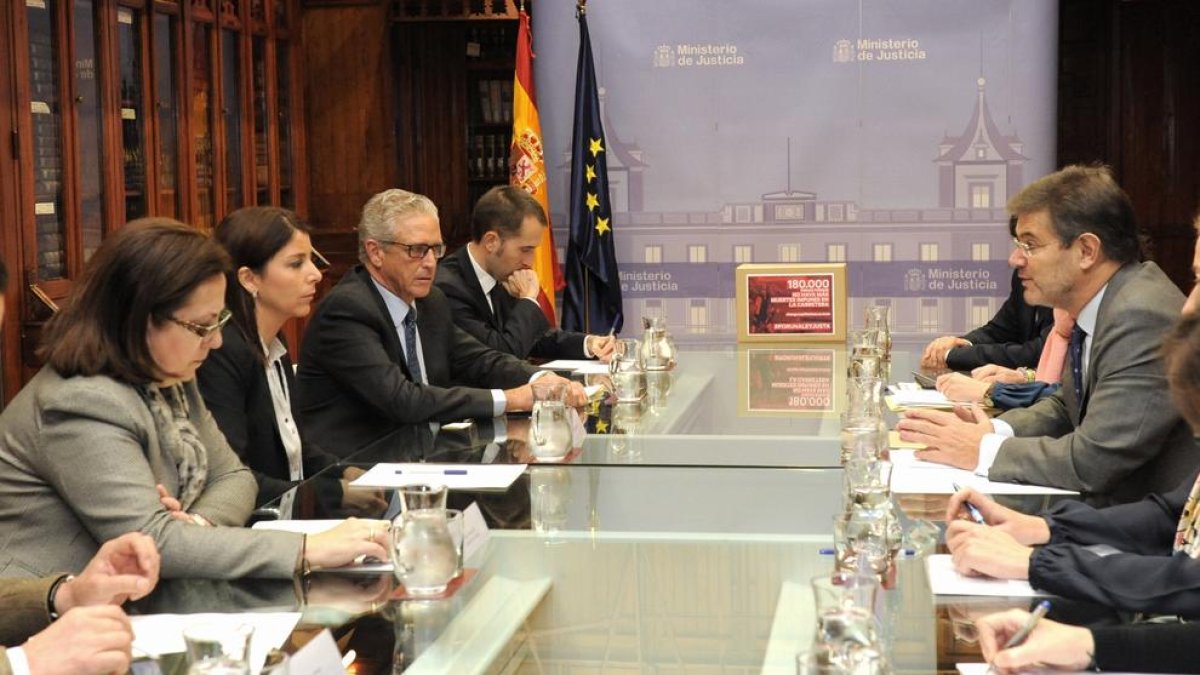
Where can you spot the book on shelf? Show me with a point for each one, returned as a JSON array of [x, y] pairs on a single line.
[[507, 91], [485, 107], [497, 100]]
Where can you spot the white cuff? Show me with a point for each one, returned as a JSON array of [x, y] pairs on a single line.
[[500, 429], [533, 378], [17, 661], [499, 402], [989, 446], [587, 353]]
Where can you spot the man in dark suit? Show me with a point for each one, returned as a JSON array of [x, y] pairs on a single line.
[[1013, 338], [382, 349], [1111, 431], [494, 293]]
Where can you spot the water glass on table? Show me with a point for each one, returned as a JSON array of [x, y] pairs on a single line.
[[867, 483], [423, 551], [847, 636], [862, 541], [416, 496], [218, 648]]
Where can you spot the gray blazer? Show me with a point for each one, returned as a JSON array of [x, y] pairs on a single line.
[[1130, 441], [79, 459]]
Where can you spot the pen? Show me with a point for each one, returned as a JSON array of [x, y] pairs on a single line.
[[1020, 636], [971, 508], [445, 472]]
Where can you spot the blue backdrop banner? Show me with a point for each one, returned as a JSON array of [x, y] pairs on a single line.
[[887, 134]]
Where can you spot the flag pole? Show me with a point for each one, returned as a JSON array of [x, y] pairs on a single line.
[[587, 300]]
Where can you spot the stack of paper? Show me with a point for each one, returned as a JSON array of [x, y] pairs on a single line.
[[580, 366], [945, 580], [914, 476], [453, 476], [921, 398]]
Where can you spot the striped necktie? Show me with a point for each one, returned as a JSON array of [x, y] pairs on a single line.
[[410, 345]]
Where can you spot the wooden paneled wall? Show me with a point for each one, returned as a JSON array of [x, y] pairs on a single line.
[[1129, 96], [349, 108]]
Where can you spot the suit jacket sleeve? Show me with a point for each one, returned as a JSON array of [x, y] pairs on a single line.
[[526, 331], [1129, 417], [1147, 647], [25, 611], [114, 493], [1145, 576], [1024, 354], [345, 342]]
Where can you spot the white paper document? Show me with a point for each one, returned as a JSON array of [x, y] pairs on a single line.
[[914, 476], [945, 580], [320, 656], [983, 669], [316, 527], [581, 366], [921, 398], [158, 634], [475, 531], [453, 476]]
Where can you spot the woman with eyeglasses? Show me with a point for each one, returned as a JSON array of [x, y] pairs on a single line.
[[247, 383], [116, 412]]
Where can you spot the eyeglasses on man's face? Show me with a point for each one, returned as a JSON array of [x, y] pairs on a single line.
[[417, 251], [1027, 249], [202, 331]]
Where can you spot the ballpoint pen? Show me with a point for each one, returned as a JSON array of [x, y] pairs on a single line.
[[1034, 616], [971, 508], [434, 472]]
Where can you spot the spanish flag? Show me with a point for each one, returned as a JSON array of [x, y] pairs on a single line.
[[527, 168]]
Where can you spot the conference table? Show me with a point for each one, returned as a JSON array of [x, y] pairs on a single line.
[[680, 539]]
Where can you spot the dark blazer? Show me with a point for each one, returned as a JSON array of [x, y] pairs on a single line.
[[1126, 439], [518, 327], [354, 386], [233, 381], [1013, 338]]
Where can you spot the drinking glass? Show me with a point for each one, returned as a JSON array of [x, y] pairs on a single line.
[[863, 438], [877, 320], [416, 496], [847, 637], [218, 648], [457, 526], [867, 483], [550, 430], [861, 541], [423, 555], [658, 347], [865, 396], [549, 497], [627, 371]]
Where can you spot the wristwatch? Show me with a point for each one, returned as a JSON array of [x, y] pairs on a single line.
[[53, 594]]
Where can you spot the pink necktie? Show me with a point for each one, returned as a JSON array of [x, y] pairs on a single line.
[[1054, 352]]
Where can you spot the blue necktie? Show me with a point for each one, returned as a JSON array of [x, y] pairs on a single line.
[[1075, 352], [410, 345]]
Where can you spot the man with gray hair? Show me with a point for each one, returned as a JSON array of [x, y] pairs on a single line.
[[1111, 431], [382, 351]]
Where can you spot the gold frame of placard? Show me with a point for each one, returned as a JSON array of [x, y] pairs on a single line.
[[835, 271]]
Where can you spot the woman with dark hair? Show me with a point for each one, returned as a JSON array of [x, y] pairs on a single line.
[[247, 382], [116, 412]]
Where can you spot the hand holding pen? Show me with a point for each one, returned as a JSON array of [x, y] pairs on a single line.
[[1047, 644], [971, 508]]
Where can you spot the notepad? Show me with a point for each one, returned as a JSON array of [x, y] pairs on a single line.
[[580, 366], [984, 669], [945, 580], [914, 476], [453, 476]]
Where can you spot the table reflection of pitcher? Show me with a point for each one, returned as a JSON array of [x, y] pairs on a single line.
[[658, 347], [550, 430], [627, 371]]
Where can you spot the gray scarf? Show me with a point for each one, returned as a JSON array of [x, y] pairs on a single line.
[[178, 437]]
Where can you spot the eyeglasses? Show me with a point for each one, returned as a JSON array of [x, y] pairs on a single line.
[[1026, 248], [417, 251], [202, 331]]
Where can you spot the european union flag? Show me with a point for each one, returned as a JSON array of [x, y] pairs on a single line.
[[592, 301]]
